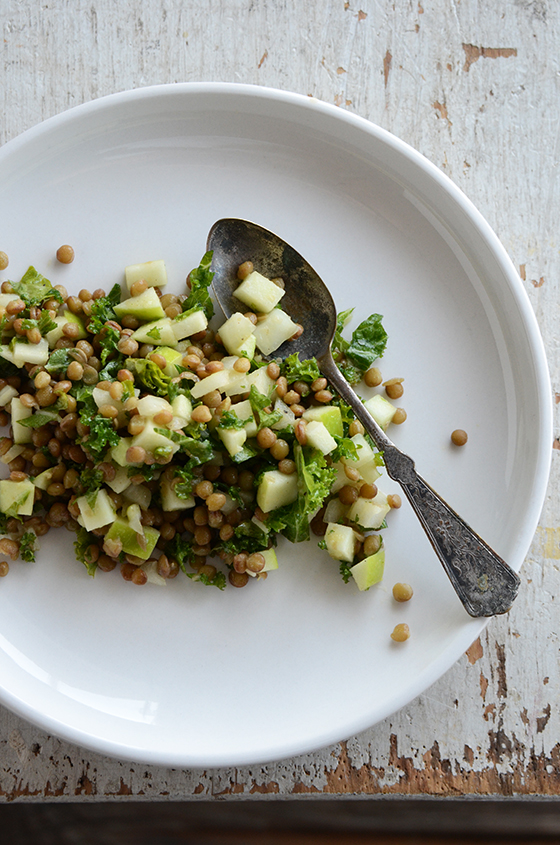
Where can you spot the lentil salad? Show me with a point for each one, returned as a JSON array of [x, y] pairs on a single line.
[[165, 444]]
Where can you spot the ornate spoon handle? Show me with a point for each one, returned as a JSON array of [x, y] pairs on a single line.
[[485, 584]]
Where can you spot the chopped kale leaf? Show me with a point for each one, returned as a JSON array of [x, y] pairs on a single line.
[[82, 544], [200, 280], [35, 288], [218, 580], [28, 546]]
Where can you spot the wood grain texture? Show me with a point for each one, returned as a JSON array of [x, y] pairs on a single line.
[[475, 88]]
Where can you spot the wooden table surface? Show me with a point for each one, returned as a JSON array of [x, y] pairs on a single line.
[[473, 86]]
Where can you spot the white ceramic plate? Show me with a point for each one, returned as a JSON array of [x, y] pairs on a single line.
[[188, 675]]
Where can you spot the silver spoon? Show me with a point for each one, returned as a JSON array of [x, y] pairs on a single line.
[[485, 583]]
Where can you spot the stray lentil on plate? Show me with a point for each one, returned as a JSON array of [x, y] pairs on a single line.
[[400, 633], [166, 445], [459, 437]]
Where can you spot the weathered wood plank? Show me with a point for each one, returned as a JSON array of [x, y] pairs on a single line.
[[476, 90]]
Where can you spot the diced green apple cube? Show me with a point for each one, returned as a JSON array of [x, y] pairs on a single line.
[[157, 333], [273, 330], [365, 453], [118, 452], [259, 293], [261, 381], [138, 494], [44, 478], [189, 323], [151, 272], [102, 512], [219, 380], [381, 410], [288, 418], [31, 353], [244, 411], [132, 543], [18, 496], [242, 382], [149, 406], [22, 433], [233, 439], [369, 571], [369, 513], [319, 438], [341, 479], [151, 440], [121, 480], [235, 331], [276, 490], [150, 568], [335, 511], [329, 415], [173, 358], [340, 541], [247, 348], [68, 317], [12, 453], [270, 562], [370, 472], [170, 501], [182, 408], [146, 306], [7, 393]]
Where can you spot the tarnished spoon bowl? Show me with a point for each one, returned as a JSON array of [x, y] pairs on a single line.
[[485, 584]]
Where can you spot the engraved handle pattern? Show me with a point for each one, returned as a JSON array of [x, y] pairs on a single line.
[[485, 584]]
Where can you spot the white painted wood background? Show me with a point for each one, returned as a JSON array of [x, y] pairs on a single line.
[[475, 87]]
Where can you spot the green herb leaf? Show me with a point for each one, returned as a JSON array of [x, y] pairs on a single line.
[[180, 550], [246, 453], [59, 361], [339, 344], [200, 280], [39, 419], [102, 310], [13, 510], [102, 434], [345, 448], [345, 572], [259, 402], [155, 333], [148, 471], [248, 538], [35, 288], [295, 370], [44, 323], [219, 579], [315, 478], [81, 545], [109, 339], [200, 450], [231, 420], [183, 487], [8, 369], [28, 546], [368, 342], [91, 481], [149, 375]]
